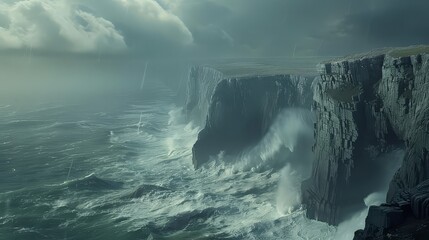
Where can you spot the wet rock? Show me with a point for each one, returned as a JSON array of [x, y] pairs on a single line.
[[420, 204], [406, 219], [385, 216]]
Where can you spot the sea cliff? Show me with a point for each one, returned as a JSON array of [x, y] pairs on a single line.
[[365, 106]]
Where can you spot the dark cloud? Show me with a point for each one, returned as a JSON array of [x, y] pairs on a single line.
[[275, 27], [213, 27], [308, 27], [384, 23]]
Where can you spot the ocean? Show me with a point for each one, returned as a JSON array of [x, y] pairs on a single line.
[[118, 166]]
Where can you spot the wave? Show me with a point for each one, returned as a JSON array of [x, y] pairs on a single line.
[[147, 189], [62, 126], [286, 147], [190, 220], [291, 134], [25, 123], [288, 196], [181, 134], [54, 109], [179, 203], [257, 190], [92, 182]]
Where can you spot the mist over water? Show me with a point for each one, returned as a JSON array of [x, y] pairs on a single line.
[[288, 196]]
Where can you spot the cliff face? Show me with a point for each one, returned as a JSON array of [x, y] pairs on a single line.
[[404, 90], [201, 84], [242, 110], [365, 106]]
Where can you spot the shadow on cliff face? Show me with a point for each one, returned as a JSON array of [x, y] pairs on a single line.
[[389, 162], [288, 141]]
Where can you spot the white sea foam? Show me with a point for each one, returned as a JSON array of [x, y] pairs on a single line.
[[244, 204]]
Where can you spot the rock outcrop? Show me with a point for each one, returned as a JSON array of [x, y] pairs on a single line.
[[242, 110], [364, 106], [406, 217]]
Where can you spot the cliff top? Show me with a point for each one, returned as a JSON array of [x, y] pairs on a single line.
[[409, 51], [393, 52], [305, 66]]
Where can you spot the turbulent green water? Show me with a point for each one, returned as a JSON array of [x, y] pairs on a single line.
[[119, 167]]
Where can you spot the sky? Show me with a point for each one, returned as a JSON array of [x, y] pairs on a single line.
[[210, 28]]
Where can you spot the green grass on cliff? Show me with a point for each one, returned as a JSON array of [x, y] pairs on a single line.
[[344, 94], [410, 51], [244, 67], [393, 52]]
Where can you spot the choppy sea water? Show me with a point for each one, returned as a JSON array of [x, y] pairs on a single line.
[[125, 172]]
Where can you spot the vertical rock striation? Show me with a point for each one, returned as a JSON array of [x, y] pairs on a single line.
[[242, 110], [201, 84], [346, 109], [405, 93], [364, 106]]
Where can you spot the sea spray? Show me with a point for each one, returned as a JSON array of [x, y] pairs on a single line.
[[292, 129], [288, 196], [286, 146], [183, 133]]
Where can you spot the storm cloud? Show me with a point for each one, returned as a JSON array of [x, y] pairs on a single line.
[[111, 26], [305, 27], [212, 27]]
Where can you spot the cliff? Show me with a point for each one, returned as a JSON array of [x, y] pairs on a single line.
[[201, 84], [241, 111], [366, 105]]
